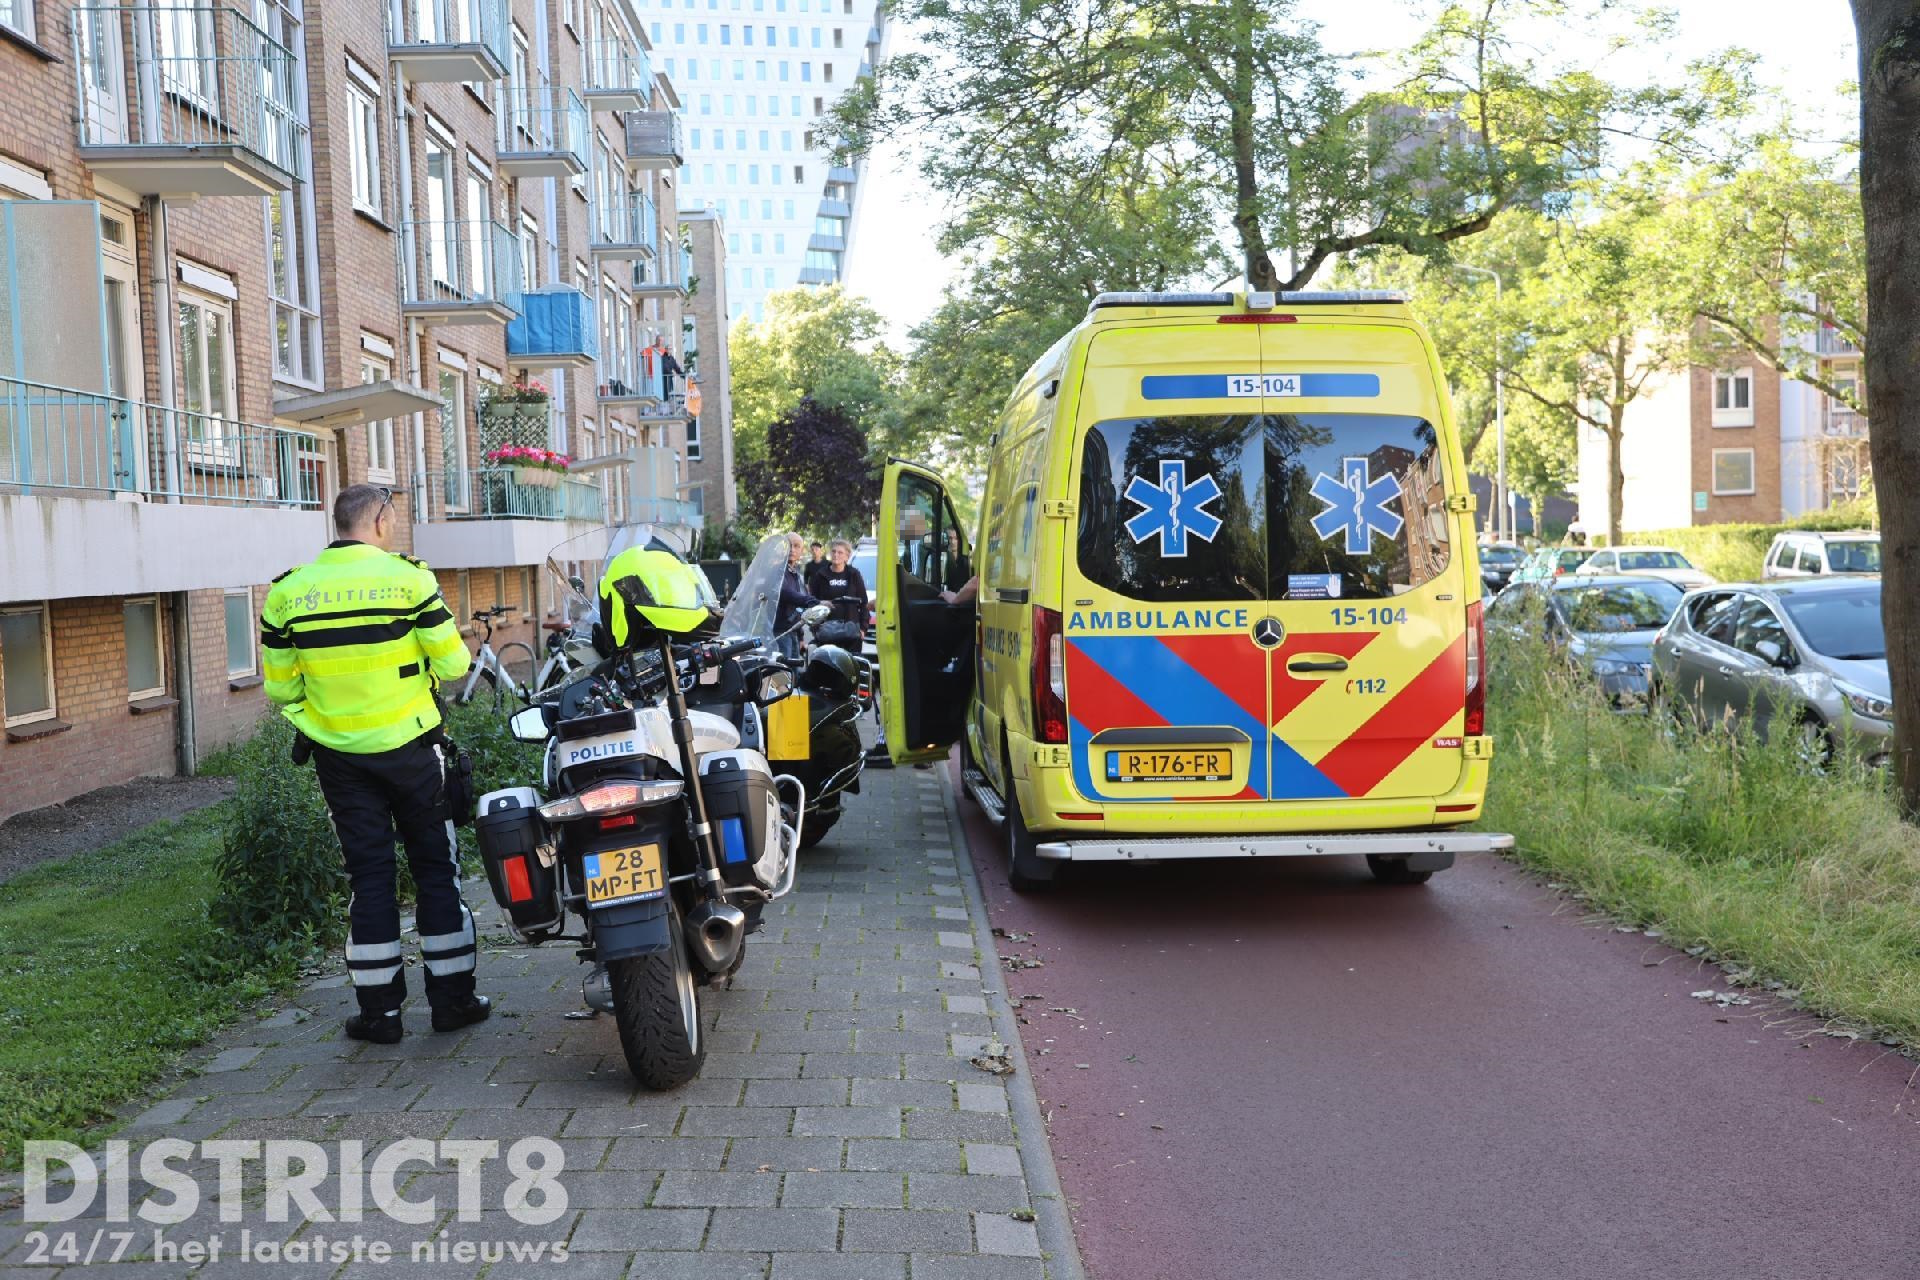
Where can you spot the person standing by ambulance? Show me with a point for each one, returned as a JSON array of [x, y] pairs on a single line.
[[352, 645]]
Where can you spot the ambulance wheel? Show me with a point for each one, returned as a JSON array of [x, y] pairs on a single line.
[[656, 1005], [1027, 871], [1394, 870]]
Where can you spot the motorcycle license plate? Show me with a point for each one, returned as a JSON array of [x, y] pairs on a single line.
[[1215, 765], [618, 875]]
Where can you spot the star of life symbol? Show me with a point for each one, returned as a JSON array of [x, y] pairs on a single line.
[[1356, 504], [1174, 508]]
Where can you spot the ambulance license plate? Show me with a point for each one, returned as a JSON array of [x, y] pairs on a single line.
[[616, 875], [1169, 766]]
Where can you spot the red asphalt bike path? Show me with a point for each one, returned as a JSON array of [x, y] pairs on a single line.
[[1282, 1070]]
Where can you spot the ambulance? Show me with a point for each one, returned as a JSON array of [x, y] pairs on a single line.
[[1224, 599]]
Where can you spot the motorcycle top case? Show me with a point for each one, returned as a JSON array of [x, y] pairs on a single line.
[[743, 804], [510, 833]]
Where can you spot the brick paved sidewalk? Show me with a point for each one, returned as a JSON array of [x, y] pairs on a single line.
[[837, 1132]]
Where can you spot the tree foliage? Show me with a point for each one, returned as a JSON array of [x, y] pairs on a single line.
[[816, 473], [823, 344]]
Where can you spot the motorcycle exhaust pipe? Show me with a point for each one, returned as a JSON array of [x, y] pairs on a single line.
[[714, 932]]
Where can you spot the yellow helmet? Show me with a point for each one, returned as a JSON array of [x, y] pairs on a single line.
[[645, 592]]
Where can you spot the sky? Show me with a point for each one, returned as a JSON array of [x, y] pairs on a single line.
[[1805, 46]]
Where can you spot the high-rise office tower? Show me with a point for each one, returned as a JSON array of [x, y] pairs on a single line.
[[755, 76]]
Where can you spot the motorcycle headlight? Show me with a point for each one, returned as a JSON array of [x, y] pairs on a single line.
[[612, 797], [1869, 705]]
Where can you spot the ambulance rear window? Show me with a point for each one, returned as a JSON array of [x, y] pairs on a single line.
[[1262, 506]]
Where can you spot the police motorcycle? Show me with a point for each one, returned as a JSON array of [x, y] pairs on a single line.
[[815, 734], [662, 829]]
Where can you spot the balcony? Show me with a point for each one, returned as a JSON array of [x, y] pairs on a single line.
[[663, 276], [1831, 342], [653, 140], [449, 41], [90, 484], [556, 329], [544, 133], [643, 484], [628, 231], [619, 76], [186, 101], [630, 380], [460, 271], [1843, 423], [487, 517]]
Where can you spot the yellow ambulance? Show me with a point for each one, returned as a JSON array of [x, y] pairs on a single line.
[[1224, 600]]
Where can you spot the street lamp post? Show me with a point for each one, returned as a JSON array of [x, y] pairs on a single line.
[[1503, 512]]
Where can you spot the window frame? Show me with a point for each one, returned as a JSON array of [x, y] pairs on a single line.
[[159, 648], [207, 446], [1753, 474], [45, 609], [250, 631], [27, 28], [381, 432], [363, 148], [1733, 415]]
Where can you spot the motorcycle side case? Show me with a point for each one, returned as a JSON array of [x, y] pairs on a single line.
[[510, 833], [743, 804]]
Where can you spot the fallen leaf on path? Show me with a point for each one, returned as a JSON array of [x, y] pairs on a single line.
[[994, 1058]]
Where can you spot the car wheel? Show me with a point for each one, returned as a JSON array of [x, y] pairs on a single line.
[[1813, 745]]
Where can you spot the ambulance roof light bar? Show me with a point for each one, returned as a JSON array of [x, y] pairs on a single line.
[[1252, 301]]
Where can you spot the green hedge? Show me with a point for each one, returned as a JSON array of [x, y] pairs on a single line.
[[1733, 552]]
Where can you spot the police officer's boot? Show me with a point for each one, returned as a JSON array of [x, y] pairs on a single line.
[[376, 1028], [462, 1011]]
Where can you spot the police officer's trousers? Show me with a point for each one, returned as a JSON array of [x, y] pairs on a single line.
[[368, 797]]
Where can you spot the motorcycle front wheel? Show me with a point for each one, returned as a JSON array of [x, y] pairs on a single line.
[[656, 1005]]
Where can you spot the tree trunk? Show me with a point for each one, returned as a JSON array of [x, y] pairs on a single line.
[[1889, 32], [1246, 179], [1616, 480]]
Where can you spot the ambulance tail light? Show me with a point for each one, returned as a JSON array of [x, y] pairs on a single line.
[[1476, 670], [1049, 676]]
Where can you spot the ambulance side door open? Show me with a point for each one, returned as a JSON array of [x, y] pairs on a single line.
[[926, 644]]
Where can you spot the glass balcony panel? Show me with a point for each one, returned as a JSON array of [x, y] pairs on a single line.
[[448, 41]]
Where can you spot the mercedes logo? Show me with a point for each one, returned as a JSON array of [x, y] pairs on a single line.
[[1268, 633]]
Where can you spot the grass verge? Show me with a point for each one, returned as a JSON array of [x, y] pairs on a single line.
[[1722, 840], [105, 977]]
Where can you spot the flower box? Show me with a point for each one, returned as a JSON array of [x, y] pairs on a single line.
[[537, 477]]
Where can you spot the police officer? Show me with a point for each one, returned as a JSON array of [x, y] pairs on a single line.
[[353, 643]]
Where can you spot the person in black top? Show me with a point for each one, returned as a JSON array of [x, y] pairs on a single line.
[[815, 566], [794, 598], [840, 584], [958, 567]]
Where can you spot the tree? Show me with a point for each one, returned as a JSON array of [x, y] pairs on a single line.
[[816, 474], [1241, 98], [1889, 34], [818, 343]]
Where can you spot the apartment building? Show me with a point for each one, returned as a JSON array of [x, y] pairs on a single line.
[[707, 444], [254, 253], [757, 76], [1740, 442]]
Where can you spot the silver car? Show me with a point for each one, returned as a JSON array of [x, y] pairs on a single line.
[[1806, 654]]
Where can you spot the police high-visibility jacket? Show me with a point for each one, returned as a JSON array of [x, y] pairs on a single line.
[[351, 642]]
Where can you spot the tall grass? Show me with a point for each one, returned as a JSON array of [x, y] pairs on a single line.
[[1721, 839]]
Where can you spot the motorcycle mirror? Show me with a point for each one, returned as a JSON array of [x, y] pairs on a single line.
[[529, 725], [774, 684], [818, 614], [578, 584]]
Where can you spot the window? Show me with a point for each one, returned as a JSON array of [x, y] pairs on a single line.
[[441, 228], [1733, 398], [1759, 625], [799, 175], [293, 276], [1265, 467], [816, 37], [17, 15], [530, 249], [187, 60], [146, 661], [206, 366], [26, 664], [240, 632], [693, 440], [479, 226], [453, 438], [838, 38], [1732, 471], [379, 434], [528, 605], [363, 124]]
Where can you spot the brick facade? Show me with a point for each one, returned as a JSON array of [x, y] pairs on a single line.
[[1761, 434]]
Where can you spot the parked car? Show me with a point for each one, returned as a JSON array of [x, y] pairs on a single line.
[[866, 558], [1551, 562], [1498, 560], [1655, 562], [1808, 655], [1809, 554], [1605, 625]]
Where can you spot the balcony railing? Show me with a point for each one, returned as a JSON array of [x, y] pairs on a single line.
[[626, 230], [557, 328], [186, 100], [661, 275], [653, 140], [619, 75], [498, 493], [1831, 342], [64, 442], [544, 133], [631, 375], [449, 40], [1842, 421], [461, 271]]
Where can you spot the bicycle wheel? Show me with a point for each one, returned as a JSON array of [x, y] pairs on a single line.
[[517, 664]]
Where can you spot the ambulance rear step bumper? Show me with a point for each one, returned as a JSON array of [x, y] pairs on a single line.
[[1429, 850]]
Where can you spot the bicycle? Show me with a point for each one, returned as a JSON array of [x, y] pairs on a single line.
[[507, 671], [559, 664]]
